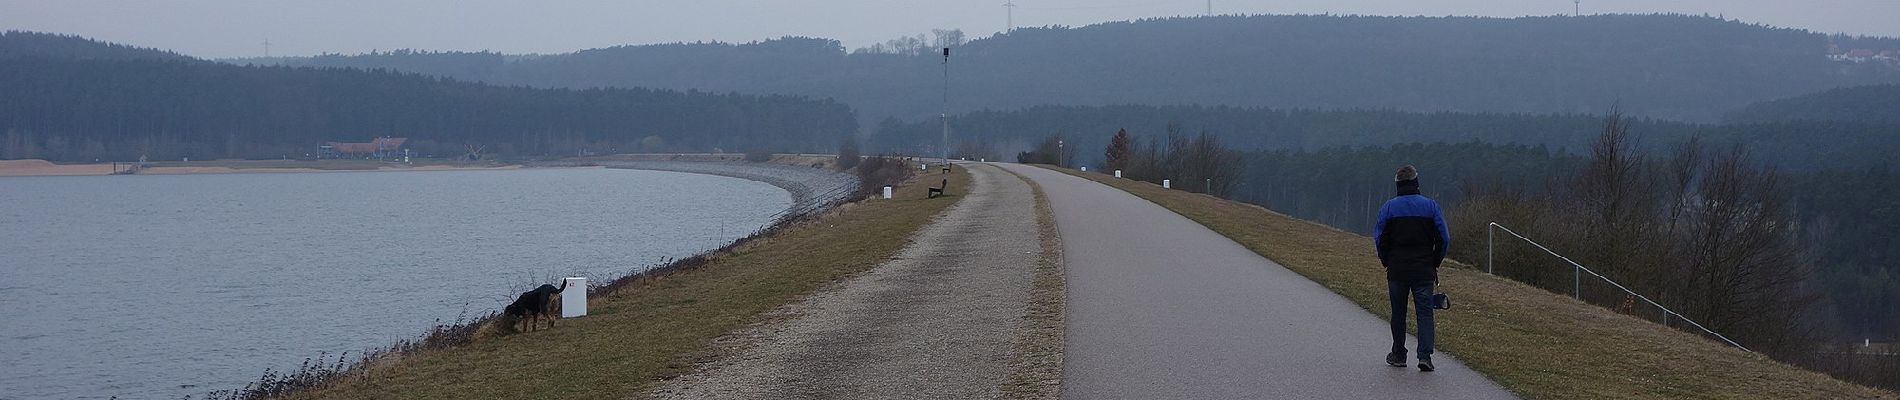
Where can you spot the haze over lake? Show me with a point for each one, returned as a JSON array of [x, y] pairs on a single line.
[[165, 286]]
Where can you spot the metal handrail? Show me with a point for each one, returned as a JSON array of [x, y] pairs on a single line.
[[1577, 279]]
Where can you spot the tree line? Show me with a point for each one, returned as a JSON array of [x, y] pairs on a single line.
[[1668, 66], [1867, 104], [1198, 163], [64, 108], [1708, 230], [1800, 145], [1710, 233]]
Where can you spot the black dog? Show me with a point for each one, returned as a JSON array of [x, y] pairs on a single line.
[[534, 304]]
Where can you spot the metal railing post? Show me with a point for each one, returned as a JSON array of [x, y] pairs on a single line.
[[1490, 263], [1577, 271]]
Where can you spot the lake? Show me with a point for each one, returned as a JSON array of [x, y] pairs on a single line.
[[163, 286]]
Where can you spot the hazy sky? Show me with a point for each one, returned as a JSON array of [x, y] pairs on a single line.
[[238, 28]]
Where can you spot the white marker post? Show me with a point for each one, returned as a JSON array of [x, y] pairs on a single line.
[[574, 298], [887, 192], [1085, 169], [1118, 173], [1167, 184]]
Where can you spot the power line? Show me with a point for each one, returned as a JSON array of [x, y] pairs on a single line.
[[1011, 7]]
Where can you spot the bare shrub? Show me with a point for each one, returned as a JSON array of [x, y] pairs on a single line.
[[1714, 240], [876, 172], [848, 154]]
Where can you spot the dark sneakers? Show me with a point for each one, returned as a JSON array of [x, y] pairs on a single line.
[[1395, 359], [1423, 365]]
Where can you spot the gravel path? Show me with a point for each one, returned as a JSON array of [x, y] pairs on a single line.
[[939, 321], [1162, 307]]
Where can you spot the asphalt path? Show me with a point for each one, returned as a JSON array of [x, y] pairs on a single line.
[[1162, 307]]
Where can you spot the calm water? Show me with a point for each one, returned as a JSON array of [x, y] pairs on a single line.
[[166, 286]]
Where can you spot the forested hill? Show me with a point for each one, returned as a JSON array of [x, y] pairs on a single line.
[[22, 44], [1873, 103], [65, 108], [1666, 66], [1798, 145]]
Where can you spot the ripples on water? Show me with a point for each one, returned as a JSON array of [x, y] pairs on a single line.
[[166, 286]]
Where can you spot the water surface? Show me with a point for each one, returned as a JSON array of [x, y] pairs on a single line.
[[166, 286]]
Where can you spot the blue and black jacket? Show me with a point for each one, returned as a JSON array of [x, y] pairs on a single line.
[[1411, 236]]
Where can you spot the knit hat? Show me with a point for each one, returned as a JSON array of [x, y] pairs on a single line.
[[1405, 173]]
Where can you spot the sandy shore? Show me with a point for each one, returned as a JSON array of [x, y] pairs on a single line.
[[44, 168]]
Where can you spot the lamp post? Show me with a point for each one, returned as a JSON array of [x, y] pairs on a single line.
[[1059, 154], [945, 116]]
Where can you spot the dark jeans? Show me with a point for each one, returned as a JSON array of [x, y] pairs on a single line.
[[1421, 294]]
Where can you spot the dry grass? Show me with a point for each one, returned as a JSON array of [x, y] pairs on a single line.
[[1036, 367], [1538, 344], [657, 328]]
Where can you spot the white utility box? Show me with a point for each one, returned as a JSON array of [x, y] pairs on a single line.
[[574, 298]]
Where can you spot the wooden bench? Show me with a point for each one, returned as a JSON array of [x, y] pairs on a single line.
[[937, 191]]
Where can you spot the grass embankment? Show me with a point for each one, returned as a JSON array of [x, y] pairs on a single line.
[[658, 327], [1536, 343], [1036, 368]]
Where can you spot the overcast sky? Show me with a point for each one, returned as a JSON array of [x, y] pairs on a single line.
[[238, 28]]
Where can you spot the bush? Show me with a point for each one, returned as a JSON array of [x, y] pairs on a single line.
[[848, 155], [874, 173], [1051, 151], [1197, 163]]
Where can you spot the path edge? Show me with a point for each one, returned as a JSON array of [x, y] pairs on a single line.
[[1036, 362]]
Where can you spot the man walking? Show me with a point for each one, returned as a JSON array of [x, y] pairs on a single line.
[[1412, 240]]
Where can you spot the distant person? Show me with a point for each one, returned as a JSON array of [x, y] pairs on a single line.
[[1412, 240]]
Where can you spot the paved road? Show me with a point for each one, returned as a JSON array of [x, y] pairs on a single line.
[[1162, 307], [939, 321]]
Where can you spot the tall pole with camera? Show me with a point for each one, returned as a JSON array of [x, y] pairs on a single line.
[[945, 116]]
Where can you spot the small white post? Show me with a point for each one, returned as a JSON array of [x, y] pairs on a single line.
[[1085, 169], [1167, 183], [982, 160], [923, 167], [887, 192], [1118, 173], [574, 297]]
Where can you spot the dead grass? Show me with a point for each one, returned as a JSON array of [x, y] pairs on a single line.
[[1036, 366], [1538, 344], [657, 328]]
